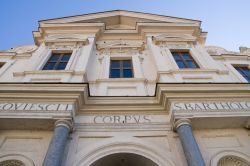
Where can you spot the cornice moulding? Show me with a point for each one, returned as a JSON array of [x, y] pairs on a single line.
[[192, 71], [48, 72]]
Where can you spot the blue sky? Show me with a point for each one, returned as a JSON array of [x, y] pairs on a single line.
[[226, 21]]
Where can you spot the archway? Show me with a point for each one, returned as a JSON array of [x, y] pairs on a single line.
[[124, 159]]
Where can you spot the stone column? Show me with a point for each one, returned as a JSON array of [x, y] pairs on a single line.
[[190, 147], [57, 145]]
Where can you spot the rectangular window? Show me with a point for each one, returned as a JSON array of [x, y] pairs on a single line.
[[184, 60], [57, 61], [121, 69], [244, 71]]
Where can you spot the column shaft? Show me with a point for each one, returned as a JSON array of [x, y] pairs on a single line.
[[57, 145], [190, 147]]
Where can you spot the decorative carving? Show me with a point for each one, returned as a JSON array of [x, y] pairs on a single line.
[[12, 163], [214, 50], [66, 40], [173, 38], [244, 50], [121, 46], [100, 58], [232, 161], [141, 58], [24, 49], [61, 47]]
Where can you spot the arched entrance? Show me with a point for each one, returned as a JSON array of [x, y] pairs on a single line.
[[124, 159]]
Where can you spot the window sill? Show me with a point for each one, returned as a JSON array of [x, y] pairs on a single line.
[[48, 72], [197, 70], [121, 80]]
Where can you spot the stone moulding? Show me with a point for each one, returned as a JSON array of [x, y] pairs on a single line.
[[129, 146]]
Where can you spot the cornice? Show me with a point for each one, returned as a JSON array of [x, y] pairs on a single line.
[[160, 104]]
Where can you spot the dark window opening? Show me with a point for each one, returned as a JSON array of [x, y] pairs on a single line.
[[57, 61], [121, 69], [244, 71], [184, 60]]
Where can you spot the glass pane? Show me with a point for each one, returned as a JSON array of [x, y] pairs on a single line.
[[115, 64], [247, 78], [246, 71], [186, 56], [61, 66], [54, 57], [115, 73], [180, 64], [176, 57], [127, 64], [191, 64], [65, 57], [127, 73], [49, 66]]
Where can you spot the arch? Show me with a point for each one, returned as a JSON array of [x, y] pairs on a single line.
[[230, 158], [16, 160], [119, 146], [123, 159]]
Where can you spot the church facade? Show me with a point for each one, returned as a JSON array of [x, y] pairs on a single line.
[[124, 88]]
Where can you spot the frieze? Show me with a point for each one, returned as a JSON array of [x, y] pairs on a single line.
[[35, 107], [123, 119], [211, 106]]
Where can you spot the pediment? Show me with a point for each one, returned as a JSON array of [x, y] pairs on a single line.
[[119, 19]]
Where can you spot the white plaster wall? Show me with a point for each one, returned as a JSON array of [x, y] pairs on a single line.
[[30, 144], [162, 147], [215, 141], [154, 64]]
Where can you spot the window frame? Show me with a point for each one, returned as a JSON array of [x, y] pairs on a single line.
[[59, 60], [121, 68], [180, 53], [240, 73]]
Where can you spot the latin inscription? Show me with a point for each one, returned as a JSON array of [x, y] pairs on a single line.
[[122, 119], [34, 106], [210, 106]]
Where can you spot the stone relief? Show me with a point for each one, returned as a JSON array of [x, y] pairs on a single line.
[[67, 37], [174, 37], [245, 50], [214, 50], [68, 41], [24, 49], [121, 45]]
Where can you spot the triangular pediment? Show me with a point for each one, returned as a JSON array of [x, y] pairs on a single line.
[[120, 19]]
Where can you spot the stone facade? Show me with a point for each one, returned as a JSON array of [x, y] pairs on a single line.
[[163, 115]]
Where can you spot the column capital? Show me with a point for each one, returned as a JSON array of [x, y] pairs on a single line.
[[181, 122], [64, 122]]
